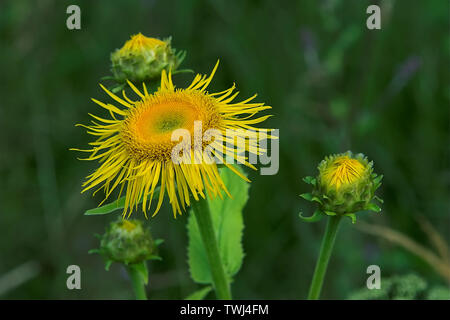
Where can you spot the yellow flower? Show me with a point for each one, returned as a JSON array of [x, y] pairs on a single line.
[[134, 147], [139, 43], [342, 171]]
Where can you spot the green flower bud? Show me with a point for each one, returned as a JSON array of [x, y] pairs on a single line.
[[345, 185], [128, 242], [143, 58]]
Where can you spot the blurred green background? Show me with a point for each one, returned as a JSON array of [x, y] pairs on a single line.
[[334, 86]]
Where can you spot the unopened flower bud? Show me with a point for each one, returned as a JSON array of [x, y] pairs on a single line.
[[345, 185], [127, 241], [143, 58]]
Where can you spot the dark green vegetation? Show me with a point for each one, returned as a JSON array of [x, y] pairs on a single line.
[[333, 85]]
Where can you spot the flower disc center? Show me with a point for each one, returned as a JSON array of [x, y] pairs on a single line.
[[156, 123], [149, 127], [169, 123]]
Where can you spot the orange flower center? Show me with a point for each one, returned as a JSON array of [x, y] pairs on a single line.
[[149, 127]]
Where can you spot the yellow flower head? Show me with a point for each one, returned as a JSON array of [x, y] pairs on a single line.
[[342, 171], [135, 146], [139, 43]]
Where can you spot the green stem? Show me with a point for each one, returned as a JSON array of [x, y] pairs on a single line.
[[205, 225], [137, 281], [324, 256]]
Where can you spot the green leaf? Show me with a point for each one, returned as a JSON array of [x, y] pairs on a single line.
[[183, 71], [228, 225], [117, 88], [113, 206], [108, 264], [199, 294], [377, 180], [378, 199], [107, 78], [154, 257], [307, 196], [373, 207], [352, 216], [310, 197], [317, 216], [107, 208], [310, 180], [330, 213]]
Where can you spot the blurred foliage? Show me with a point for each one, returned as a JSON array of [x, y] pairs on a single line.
[[408, 287], [334, 86]]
